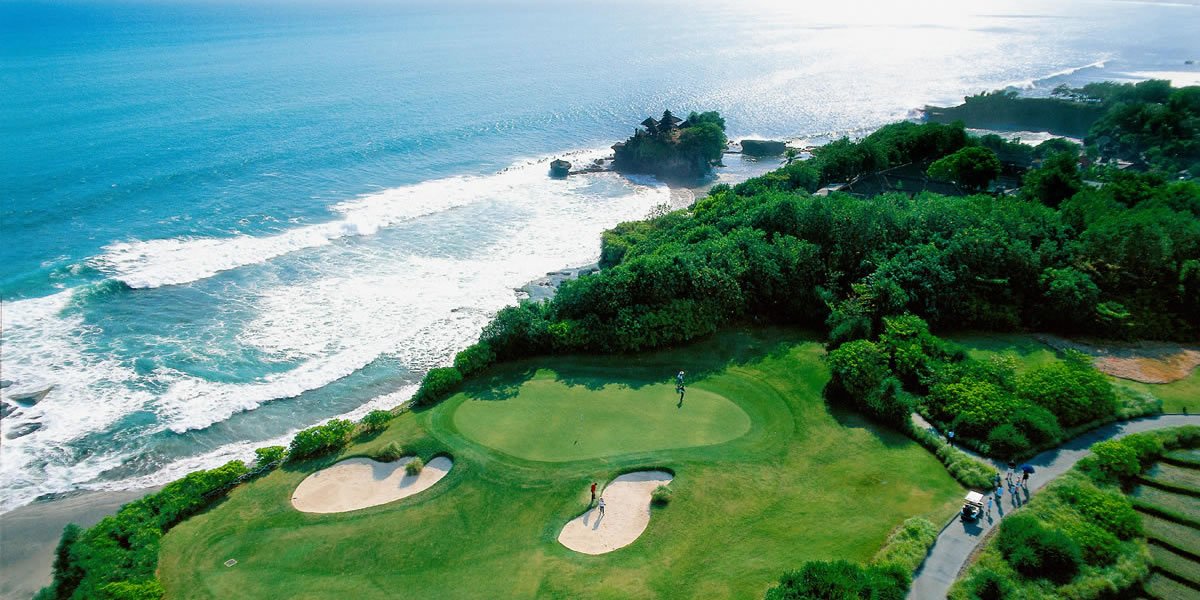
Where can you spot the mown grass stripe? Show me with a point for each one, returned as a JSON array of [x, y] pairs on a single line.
[[1179, 538], [1177, 566]]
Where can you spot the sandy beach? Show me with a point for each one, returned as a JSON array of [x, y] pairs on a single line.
[[29, 534]]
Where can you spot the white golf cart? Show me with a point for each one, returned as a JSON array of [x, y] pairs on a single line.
[[972, 506]]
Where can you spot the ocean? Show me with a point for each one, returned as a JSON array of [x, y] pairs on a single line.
[[225, 221]]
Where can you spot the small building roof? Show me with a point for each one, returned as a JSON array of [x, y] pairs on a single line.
[[672, 119], [649, 122]]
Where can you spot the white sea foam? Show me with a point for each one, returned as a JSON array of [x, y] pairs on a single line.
[[156, 263], [367, 300], [44, 345], [1029, 84]]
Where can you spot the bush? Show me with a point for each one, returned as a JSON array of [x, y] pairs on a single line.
[[990, 584], [1111, 511], [908, 545], [390, 452], [1099, 547], [413, 467], [271, 455], [974, 406], [1113, 461], [841, 580], [1037, 424], [376, 420], [661, 496], [320, 439], [861, 375], [1072, 390], [1036, 551], [1006, 441], [438, 384], [474, 358]]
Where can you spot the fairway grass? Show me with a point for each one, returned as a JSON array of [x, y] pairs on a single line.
[[801, 482], [555, 422], [1181, 396]]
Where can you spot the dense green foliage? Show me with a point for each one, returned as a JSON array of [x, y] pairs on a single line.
[[1055, 181], [375, 421], [661, 496], [320, 439], [971, 168], [990, 407], [841, 580], [1118, 260], [861, 375], [116, 559], [1038, 551], [1080, 537], [474, 358], [438, 384], [269, 456], [986, 403]]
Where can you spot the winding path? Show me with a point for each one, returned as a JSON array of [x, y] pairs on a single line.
[[958, 540]]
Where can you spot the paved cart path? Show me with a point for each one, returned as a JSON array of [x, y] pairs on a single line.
[[957, 541]]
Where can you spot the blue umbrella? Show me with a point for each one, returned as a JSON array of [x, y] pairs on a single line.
[[1027, 468]]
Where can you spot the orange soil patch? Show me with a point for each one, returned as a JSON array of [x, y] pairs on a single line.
[[1147, 362]]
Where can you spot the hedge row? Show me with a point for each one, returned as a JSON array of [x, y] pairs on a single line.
[[968, 471], [116, 558], [908, 545]]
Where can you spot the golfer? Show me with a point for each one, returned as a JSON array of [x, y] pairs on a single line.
[[601, 507], [593, 500]]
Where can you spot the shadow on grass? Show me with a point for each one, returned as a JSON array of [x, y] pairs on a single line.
[[699, 360], [849, 418]]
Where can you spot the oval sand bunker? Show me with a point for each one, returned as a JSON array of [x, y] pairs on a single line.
[[361, 482], [626, 515]]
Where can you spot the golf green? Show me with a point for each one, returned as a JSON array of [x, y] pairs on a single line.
[[549, 420]]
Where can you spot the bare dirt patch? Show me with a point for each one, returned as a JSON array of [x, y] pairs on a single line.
[[1147, 362]]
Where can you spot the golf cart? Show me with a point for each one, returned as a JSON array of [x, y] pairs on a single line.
[[972, 506]]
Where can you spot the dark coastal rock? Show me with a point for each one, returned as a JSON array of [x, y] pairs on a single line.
[[22, 430], [673, 149], [559, 168], [763, 147], [6, 409], [28, 399]]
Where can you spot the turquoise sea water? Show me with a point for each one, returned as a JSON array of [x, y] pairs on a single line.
[[225, 221]]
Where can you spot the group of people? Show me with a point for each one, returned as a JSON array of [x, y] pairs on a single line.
[[1014, 483]]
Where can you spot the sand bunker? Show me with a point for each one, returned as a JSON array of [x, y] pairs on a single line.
[[1147, 362], [626, 515], [361, 482]]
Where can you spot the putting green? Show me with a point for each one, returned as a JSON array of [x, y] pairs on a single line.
[[551, 421]]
